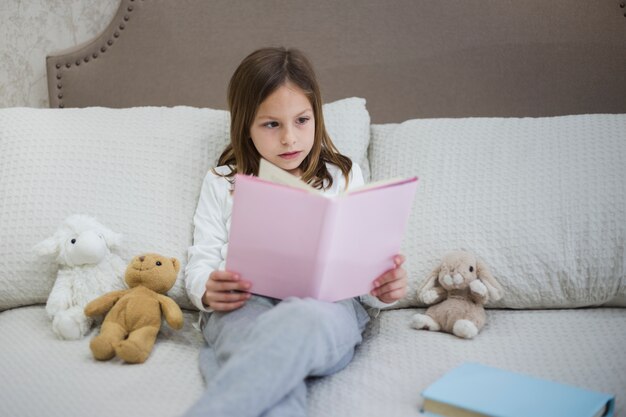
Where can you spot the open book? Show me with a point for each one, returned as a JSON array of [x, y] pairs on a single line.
[[289, 239]]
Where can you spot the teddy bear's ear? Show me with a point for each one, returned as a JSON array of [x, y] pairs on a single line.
[[176, 264], [493, 287], [47, 247]]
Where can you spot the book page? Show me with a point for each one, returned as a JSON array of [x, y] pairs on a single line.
[[380, 184], [270, 172]]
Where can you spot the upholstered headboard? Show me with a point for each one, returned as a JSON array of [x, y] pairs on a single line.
[[408, 58]]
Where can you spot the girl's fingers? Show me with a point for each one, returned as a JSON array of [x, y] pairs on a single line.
[[227, 297], [224, 276], [390, 276], [399, 260], [391, 284], [392, 291], [218, 306], [227, 286], [225, 291], [393, 295]]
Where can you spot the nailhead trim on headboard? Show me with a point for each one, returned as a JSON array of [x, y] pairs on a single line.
[[99, 49]]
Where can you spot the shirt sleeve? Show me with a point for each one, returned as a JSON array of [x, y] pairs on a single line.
[[356, 177], [210, 238], [356, 180]]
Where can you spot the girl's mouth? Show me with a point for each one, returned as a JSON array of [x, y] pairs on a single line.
[[290, 155]]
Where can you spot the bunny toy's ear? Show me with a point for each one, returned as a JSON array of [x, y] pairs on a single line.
[[48, 247], [493, 287], [431, 282]]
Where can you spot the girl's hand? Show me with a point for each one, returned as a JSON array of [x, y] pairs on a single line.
[[225, 291], [391, 286]]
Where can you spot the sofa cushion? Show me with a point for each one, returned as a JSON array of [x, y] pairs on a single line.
[[541, 200], [46, 376], [389, 370], [137, 170]]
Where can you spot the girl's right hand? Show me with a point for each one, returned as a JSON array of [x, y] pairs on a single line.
[[225, 291]]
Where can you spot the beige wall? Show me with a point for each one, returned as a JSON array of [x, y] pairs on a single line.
[[32, 29]]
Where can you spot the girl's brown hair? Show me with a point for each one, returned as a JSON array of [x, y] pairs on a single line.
[[258, 76]]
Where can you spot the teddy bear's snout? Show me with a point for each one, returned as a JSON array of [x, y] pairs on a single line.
[[142, 263]]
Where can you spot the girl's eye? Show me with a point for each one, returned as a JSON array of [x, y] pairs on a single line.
[[271, 124], [302, 120]]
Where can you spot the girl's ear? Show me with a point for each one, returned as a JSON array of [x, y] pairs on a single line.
[[493, 287], [48, 247]]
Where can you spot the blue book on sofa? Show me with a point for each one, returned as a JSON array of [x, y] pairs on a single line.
[[475, 390]]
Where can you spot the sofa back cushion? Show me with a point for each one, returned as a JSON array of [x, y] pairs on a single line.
[[541, 200], [137, 170]]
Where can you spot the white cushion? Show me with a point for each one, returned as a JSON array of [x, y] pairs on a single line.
[[542, 201], [348, 125], [137, 170], [389, 370]]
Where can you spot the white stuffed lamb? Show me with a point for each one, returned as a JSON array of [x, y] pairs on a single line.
[[87, 269]]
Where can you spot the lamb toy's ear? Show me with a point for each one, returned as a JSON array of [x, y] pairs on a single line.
[[493, 287], [113, 240], [48, 247]]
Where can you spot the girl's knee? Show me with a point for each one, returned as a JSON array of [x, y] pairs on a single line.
[[317, 319], [308, 311]]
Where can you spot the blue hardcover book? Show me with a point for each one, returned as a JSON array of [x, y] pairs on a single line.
[[475, 390]]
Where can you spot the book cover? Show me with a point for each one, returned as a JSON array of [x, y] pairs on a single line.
[[291, 240], [475, 390]]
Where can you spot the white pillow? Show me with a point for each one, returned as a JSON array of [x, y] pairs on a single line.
[[542, 201], [348, 125], [137, 170]]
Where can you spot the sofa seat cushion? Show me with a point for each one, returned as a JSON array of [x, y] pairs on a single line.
[[583, 347], [45, 376]]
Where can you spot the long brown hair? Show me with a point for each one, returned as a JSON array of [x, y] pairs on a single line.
[[258, 76]]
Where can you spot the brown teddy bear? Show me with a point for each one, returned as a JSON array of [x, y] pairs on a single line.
[[133, 321], [457, 291]]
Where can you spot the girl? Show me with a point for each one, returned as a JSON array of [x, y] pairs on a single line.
[[261, 350]]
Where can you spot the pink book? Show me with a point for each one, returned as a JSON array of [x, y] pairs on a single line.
[[291, 240]]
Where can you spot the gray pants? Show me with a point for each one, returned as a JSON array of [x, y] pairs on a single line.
[[259, 356]]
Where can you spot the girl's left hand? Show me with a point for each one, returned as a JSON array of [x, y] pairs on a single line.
[[391, 286]]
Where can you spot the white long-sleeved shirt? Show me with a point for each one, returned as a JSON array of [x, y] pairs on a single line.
[[212, 226]]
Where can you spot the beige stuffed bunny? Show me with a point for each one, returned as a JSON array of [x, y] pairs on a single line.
[[457, 290]]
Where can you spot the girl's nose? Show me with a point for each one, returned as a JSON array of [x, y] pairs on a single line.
[[288, 138]]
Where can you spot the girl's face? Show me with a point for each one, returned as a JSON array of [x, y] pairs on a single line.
[[283, 129]]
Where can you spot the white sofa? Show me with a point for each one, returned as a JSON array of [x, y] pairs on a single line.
[[542, 201]]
